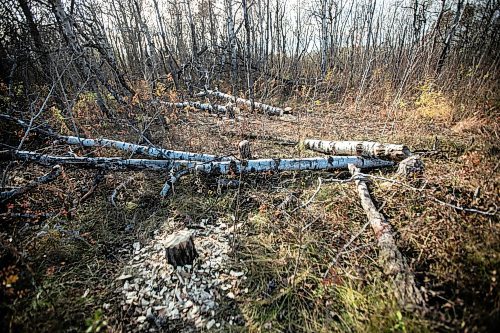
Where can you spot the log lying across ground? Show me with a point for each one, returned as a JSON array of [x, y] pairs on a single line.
[[265, 108], [121, 145], [359, 148], [213, 167], [390, 258], [200, 106]]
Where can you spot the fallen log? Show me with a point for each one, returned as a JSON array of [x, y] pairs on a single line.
[[7, 195], [359, 148], [125, 146], [200, 106], [390, 258], [213, 167], [265, 108]]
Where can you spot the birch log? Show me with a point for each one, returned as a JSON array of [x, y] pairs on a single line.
[[214, 167], [200, 106], [121, 145], [359, 148], [265, 108], [390, 258]]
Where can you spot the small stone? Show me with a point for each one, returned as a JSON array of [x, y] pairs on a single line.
[[230, 295], [124, 277], [236, 274], [141, 319], [210, 324], [136, 246], [188, 304]]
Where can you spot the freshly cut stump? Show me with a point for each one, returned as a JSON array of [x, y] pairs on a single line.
[[244, 148], [180, 248]]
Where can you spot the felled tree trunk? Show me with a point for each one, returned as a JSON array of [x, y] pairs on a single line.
[[213, 168], [200, 106], [180, 249], [390, 258], [265, 108], [359, 148]]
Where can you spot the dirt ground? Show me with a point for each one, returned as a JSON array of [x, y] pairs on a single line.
[[65, 247]]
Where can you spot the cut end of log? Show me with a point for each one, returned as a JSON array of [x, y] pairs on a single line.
[[179, 248]]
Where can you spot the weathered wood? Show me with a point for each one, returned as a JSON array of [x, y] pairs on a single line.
[[244, 148], [410, 167], [390, 258], [7, 195], [172, 179], [180, 249], [214, 167], [265, 108], [359, 148]]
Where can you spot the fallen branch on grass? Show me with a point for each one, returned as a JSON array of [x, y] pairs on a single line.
[[390, 258], [265, 108], [359, 148], [7, 195]]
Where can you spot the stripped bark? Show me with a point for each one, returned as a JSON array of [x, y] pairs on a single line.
[[213, 167], [47, 178], [265, 108], [359, 148], [390, 258]]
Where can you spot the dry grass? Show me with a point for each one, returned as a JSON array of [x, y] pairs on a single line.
[[285, 251]]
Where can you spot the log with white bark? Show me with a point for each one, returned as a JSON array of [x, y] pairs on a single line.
[[359, 148], [390, 258], [213, 167], [144, 150], [265, 108], [7, 195], [200, 106]]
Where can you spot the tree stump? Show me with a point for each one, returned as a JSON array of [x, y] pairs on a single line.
[[180, 248], [244, 147]]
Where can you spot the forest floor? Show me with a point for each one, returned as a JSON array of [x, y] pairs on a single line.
[[266, 262]]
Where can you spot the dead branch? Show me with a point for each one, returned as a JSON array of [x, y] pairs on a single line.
[[7, 195], [390, 258]]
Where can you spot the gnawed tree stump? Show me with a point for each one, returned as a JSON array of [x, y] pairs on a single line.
[[244, 148], [390, 258], [359, 148], [179, 248], [410, 167]]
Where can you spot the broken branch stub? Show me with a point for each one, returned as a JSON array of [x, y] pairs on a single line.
[[359, 148], [410, 167], [180, 249], [390, 258]]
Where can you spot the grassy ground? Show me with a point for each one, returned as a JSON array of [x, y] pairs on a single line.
[[57, 274]]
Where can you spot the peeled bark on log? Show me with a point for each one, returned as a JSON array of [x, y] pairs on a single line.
[[390, 258], [410, 167], [244, 148], [56, 171], [180, 249], [359, 148], [265, 108], [213, 168]]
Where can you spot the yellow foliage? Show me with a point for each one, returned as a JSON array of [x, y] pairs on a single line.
[[59, 118], [432, 104]]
